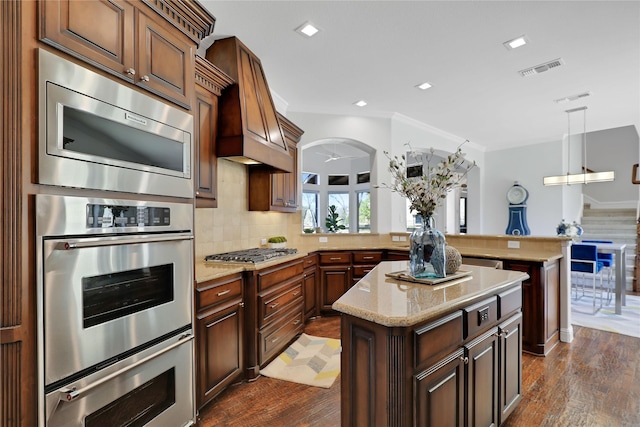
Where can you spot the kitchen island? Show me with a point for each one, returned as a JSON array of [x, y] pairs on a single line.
[[445, 354]]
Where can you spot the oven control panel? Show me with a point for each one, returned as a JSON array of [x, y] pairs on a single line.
[[114, 216]]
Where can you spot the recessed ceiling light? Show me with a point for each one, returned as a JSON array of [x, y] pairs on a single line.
[[360, 103], [424, 86], [516, 43], [307, 29]]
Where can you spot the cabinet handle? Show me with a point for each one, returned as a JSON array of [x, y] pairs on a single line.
[[144, 78], [274, 305], [464, 359], [335, 259], [296, 293], [296, 322], [241, 304], [130, 71], [367, 257], [275, 339], [224, 292]]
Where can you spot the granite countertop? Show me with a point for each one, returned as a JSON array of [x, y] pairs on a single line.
[[396, 303], [209, 270], [510, 254]]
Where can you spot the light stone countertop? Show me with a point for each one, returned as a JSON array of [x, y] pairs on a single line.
[[396, 303]]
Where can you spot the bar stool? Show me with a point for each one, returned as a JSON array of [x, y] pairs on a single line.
[[607, 264], [584, 261]]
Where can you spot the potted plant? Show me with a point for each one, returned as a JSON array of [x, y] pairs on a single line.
[[277, 242], [332, 221]]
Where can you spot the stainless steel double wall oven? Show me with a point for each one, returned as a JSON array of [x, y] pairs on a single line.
[[115, 273]]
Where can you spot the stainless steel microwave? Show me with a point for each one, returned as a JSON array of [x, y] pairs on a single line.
[[99, 134]]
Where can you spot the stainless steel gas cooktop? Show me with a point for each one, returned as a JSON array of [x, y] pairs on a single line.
[[251, 255]]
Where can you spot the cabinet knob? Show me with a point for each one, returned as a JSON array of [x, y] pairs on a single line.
[[464, 359], [241, 304], [130, 71], [144, 78]]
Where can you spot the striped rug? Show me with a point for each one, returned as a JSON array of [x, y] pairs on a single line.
[[309, 360], [628, 323]]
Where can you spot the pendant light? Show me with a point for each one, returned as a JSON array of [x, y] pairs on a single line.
[[585, 177]]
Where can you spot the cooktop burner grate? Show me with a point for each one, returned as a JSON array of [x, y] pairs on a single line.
[[251, 255]]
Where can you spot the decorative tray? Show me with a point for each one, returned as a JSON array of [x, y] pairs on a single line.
[[404, 275]]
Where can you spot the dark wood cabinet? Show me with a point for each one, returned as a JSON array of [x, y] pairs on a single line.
[[510, 367], [482, 380], [277, 191], [310, 285], [335, 278], [540, 304], [440, 392], [274, 299], [363, 262], [396, 255], [210, 81], [219, 336], [461, 369], [126, 39]]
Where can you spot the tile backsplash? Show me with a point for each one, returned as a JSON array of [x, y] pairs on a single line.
[[231, 226]]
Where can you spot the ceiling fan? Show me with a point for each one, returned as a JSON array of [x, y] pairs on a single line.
[[334, 156]]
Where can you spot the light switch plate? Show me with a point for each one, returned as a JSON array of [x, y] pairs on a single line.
[[513, 244], [323, 239], [395, 238], [263, 241], [403, 238]]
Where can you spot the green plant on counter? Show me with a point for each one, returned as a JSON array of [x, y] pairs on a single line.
[[277, 239], [308, 230], [332, 221]]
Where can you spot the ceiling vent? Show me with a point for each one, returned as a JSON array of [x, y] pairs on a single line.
[[541, 68], [572, 97]]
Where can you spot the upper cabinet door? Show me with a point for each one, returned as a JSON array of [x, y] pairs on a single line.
[[100, 31], [165, 60], [125, 39]]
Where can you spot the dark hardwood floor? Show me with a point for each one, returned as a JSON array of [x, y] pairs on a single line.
[[592, 382]]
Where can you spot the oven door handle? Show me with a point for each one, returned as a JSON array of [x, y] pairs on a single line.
[[70, 394], [93, 243]]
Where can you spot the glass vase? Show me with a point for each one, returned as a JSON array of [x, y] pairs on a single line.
[[427, 254]]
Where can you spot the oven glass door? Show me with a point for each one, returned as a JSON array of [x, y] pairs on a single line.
[[88, 129], [151, 388], [104, 297]]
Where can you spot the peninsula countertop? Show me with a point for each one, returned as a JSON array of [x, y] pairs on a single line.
[[397, 303]]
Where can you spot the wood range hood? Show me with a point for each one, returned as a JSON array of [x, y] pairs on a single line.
[[248, 130]]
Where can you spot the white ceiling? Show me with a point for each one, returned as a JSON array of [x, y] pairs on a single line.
[[379, 50]]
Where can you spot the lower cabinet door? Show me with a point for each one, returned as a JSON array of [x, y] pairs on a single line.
[[219, 340], [439, 393], [482, 380], [510, 375]]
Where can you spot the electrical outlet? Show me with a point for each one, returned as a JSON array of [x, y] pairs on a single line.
[[323, 239], [263, 241], [513, 244], [395, 238]]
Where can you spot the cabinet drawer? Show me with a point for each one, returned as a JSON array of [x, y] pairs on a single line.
[[218, 291], [359, 271], [310, 261], [361, 257], [438, 338], [274, 339], [509, 301], [328, 258], [273, 276], [275, 302], [479, 316]]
